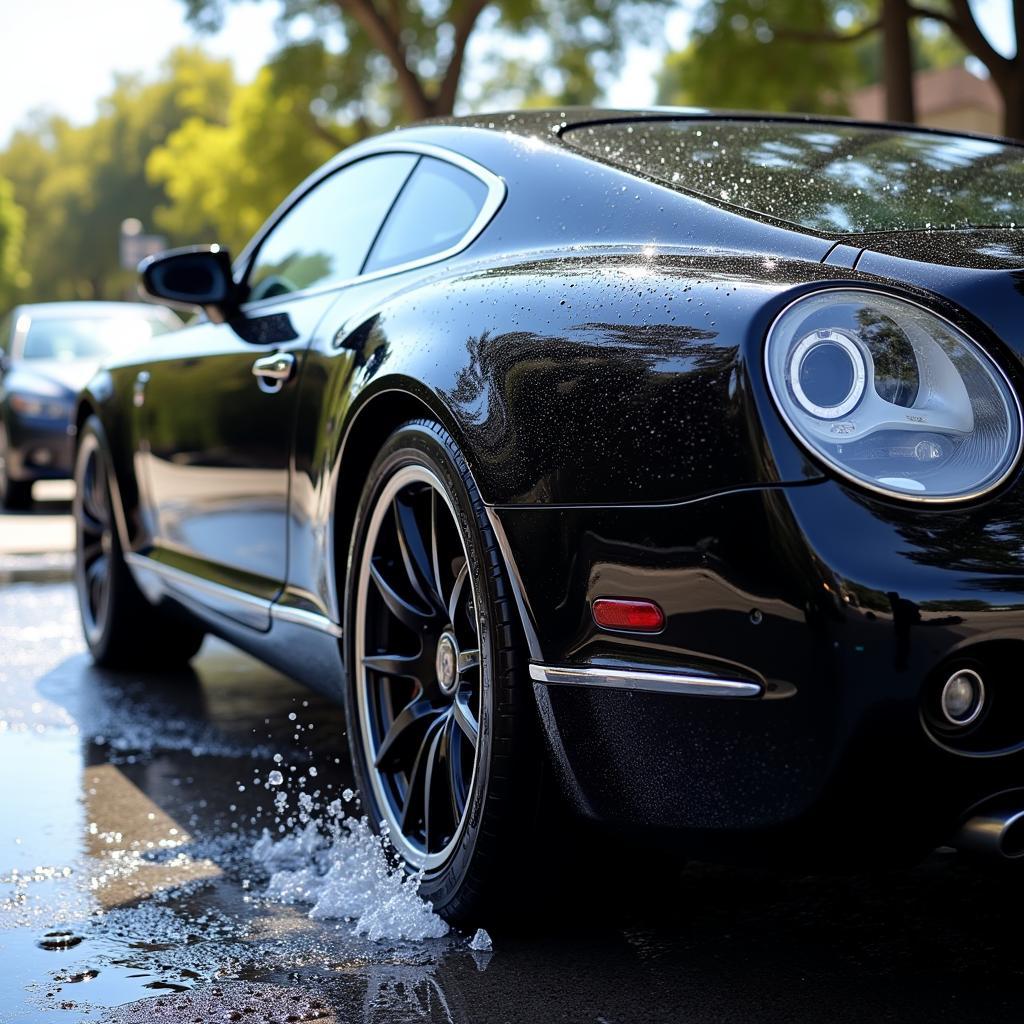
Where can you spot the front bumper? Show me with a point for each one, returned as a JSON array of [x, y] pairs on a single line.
[[40, 449], [843, 608]]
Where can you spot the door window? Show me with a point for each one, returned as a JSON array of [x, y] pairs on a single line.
[[436, 208], [325, 237]]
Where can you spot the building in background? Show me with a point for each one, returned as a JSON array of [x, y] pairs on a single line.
[[950, 98]]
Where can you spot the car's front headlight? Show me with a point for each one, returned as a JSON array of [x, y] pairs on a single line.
[[893, 396], [41, 406]]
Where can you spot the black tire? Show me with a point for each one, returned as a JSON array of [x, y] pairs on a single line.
[[475, 864], [15, 495], [122, 629]]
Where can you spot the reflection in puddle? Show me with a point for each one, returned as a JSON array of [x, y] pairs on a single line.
[[126, 876], [130, 807]]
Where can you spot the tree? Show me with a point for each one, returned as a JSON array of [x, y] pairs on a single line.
[[76, 184], [808, 54], [1007, 72], [897, 61], [756, 55], [222, 177], [13, 276], [408, 59]]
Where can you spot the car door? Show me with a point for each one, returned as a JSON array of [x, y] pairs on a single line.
[[215, 412]]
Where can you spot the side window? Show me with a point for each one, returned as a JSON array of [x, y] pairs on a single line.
[[325, 237], [434, 211]]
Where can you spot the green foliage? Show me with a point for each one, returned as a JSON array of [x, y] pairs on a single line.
[[222, 177], [789, 55], [754, 55], [13, 276], [76, 185], [403, 61]]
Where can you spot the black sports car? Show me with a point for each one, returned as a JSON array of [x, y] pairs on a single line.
[[668, 462], [48, 351]]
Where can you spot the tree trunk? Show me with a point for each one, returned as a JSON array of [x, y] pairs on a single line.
[[1011, 88], [897, 64]]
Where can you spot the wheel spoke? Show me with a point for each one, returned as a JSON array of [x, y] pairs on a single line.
[[460, 582], [456, 783], [414, 806], [96, 582], [93, 502], [403, 732], [435, 545], [406, 613], [465, 719], [91, 551], [437, 811], [414, 552], [401, 666], [469, 659]]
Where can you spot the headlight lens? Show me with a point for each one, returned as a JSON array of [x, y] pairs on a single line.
[[893, 396], [40, 407]]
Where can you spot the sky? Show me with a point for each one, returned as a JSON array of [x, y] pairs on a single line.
[[62, 55]]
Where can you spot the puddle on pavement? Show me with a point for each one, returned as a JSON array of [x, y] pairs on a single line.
[[131, 809], [129, 892]]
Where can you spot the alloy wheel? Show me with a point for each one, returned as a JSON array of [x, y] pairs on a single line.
[[94, 537], [419, 674]]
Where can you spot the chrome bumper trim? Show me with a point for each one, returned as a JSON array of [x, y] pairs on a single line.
[[643, 680]]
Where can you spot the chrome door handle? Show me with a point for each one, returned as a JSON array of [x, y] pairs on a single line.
[[273, 372]]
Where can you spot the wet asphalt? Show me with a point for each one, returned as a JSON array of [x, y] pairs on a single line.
[[127, 892]]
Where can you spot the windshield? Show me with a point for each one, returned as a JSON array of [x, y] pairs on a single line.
[[88, 337], [834, 178]]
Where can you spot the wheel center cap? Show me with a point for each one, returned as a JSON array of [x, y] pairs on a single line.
[[447, 663]]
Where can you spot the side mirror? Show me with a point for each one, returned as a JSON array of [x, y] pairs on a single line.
[[199, 275]]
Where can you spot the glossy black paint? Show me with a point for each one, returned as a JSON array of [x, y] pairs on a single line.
[[198, 275], [597, 352]]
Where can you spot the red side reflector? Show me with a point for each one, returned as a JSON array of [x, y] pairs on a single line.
[[624, 613]]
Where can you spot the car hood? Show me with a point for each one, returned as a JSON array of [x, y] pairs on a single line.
[[51, 376]]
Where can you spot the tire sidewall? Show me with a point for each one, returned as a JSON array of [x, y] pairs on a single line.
[[419, 444]]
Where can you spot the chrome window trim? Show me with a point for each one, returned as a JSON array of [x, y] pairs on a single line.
[[643, 680], [496, 192]]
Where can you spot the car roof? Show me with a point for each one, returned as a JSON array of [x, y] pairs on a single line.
[[553, 121]]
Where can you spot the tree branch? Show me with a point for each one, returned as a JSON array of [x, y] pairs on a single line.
[[961, 22], [801, 35], [464, 26], [389, 42]]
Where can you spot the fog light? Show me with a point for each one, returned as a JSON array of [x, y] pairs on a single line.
[[963, 697]]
